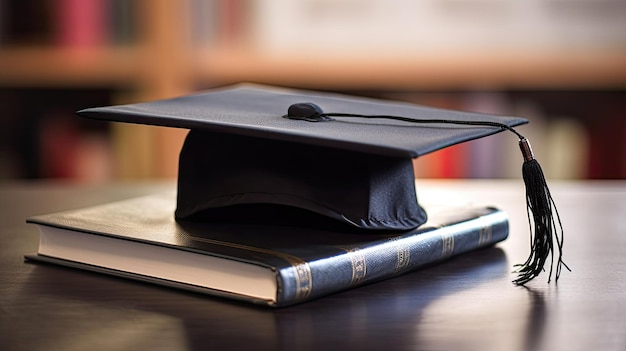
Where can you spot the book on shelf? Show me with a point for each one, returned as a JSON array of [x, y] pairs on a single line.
[[68, 23], [269, 264]]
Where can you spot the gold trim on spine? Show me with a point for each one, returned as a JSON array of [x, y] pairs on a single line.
[[447, 247], [485, 233], [302, 270], [304, 280], [403, 257], [359, 266]]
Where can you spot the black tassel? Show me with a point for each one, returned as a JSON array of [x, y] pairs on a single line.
[[543, 219]]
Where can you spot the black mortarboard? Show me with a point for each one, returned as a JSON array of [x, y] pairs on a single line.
[[258, 153]]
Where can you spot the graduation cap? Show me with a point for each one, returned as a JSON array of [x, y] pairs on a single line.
[[258, 153]]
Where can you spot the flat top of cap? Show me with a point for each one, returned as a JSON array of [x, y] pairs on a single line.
[[256, 110]]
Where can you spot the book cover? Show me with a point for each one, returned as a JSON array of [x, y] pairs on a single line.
[[270, 265]]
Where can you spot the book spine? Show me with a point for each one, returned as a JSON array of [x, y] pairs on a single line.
[[120, 22], [363, 264], [81, 23]]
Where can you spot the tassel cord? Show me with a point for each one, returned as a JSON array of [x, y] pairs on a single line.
[[430, 121]]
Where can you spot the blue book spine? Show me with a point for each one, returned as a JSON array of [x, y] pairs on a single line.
[[361, 263]]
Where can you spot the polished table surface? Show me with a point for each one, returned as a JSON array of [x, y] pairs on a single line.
[[467, 303]]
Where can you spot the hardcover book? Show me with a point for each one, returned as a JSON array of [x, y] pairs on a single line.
[[269, 264]]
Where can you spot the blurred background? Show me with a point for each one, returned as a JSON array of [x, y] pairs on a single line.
[[559, 63]]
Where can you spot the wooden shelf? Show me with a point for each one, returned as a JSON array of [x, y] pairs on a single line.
[[572, 70], [126, 66], [61, 67]]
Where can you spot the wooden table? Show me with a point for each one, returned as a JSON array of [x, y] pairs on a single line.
[[468, 303]]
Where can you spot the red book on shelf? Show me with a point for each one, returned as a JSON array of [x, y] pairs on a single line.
[[81, 23]]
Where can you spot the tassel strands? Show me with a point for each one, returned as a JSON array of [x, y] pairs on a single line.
[[543, 220]]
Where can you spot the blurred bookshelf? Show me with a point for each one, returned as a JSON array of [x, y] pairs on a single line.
[[562, 64]]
